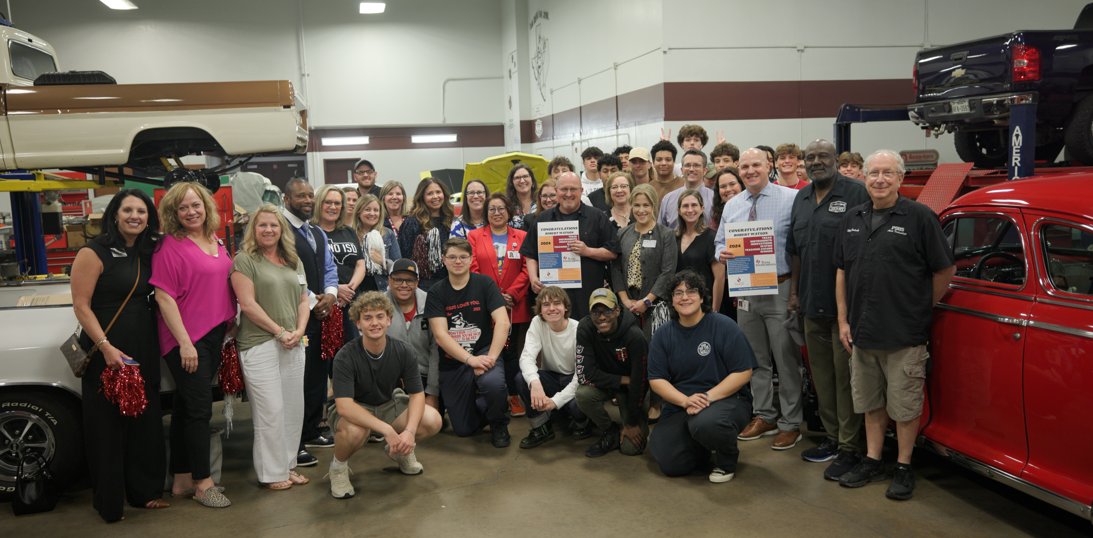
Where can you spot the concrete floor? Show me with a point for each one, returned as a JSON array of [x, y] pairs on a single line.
[[471, 489]]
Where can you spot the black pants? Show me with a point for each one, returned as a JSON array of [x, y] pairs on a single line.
[[552, 383], [316, 373], [193, 405], [681, 443], [125, 456], [511, 355]]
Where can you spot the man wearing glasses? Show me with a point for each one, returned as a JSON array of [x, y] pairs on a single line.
[[467, 316], [701, 364], [365, 175], [413, 328], [694, 175]]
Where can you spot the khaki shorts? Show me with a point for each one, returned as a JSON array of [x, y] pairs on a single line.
[[388, 411], [890, 379]]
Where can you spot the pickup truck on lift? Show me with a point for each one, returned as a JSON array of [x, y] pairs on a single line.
[[85, 121], [968, 89]]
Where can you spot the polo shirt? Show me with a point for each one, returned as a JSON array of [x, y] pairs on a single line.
[[813, 228], [889, 273]]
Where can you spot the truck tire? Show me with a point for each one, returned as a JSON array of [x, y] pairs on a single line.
[[987, 149], [1079, 133], [49, 424]]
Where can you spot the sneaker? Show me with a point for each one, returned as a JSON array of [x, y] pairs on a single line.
[[321, 441], [903, 483], [538, 436], [580, 431], [340, 488], [305, 459], [608, 442], [407, 463], [499, 436], [374, 437], [866, 471], [844, 462], [720, 476], [786, 440], [756, 429], [516, 407], [827, 451]]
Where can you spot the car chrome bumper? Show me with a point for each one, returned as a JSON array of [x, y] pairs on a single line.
[[967, 109], [1070, 505]]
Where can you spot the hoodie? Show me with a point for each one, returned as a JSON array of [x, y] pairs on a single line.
[[603, 360]]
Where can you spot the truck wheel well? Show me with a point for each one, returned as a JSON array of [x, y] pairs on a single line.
[[1085, 84], [148, 146]]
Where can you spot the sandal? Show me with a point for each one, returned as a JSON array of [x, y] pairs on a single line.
[[156, 504], [278, 486], [212, 498], [297, 478]]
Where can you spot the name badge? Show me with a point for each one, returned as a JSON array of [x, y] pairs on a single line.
[[513, 255], [649, 243], [743, 304], [837, 206], [118, 253], [302, 279]]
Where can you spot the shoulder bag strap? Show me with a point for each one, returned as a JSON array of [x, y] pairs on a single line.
[[122, 307]]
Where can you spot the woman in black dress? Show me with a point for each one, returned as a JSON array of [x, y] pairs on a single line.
[[126, 456], [696, 245]]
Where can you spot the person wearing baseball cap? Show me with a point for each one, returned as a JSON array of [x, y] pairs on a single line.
[[412, 327], [640, 164], [611, 353]]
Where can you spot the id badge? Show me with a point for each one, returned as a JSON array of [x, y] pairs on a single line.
[[649, 243], [743, 304], [513, 254], [302, 279]]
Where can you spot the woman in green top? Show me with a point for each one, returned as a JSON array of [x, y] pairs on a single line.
[[269, 283]]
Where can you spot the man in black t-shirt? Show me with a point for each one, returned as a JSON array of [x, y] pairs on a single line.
[[467, 315], [377, 388]]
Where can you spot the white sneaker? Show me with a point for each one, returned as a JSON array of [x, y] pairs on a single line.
[[720, 476], [340, 488], [407, 464]]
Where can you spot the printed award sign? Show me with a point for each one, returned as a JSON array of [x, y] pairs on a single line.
[[753, 270], [557, 265]]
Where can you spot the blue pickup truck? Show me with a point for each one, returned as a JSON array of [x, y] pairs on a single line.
[[968, 88]]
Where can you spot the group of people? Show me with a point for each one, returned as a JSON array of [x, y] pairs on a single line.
[[446, 321]]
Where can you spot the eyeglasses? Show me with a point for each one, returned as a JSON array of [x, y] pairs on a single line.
[[886, 174], [453, 258], [679, 294], [498, 210], [363, 172], [476, 193], [334, 203], [521, 177], [602, 312], [692, 165], [404, 281]]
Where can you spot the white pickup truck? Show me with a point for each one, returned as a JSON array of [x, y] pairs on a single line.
[[81, 120]]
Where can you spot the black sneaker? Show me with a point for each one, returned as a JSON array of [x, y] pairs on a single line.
[[903, 483], [499, 436], [305, 459], [868, 470], [844, 462], [580, 431], [827, 451], [538, 436], [608, 442], [321, 441]]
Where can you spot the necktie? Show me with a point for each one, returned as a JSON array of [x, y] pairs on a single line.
[[306, 232], [751, 212]]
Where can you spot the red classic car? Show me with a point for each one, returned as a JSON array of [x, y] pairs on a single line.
[[1010, 390]]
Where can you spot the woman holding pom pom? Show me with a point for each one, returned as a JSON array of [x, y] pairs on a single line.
[[190, 273], [110, 293]]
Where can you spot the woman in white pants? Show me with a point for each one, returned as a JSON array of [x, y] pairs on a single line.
[[269, 283]]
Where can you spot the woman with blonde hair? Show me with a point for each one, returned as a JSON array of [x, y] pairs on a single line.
[[345, 250], [618, 198], [545, 198], [433, 212], [393, 201], [379, 244], [646, 261], [269, 281], [190, 271]]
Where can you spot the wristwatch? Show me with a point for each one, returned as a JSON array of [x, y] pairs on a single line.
[[647, 302]]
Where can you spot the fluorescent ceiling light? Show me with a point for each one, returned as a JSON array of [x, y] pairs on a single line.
[[119, 4], [345, 141], [369, 8], [433, 139]]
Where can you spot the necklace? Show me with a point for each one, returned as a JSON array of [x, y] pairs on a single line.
[[373, 357]]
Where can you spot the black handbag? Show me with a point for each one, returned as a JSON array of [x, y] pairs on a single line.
[[35, 490]]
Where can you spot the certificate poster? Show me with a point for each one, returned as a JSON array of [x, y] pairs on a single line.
[[754, 268], [557, 265]]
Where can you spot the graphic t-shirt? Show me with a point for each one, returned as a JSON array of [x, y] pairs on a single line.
[[467, 312], [346, 250]]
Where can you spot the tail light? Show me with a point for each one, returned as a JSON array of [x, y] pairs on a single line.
[[1026, 63], [914, 80]]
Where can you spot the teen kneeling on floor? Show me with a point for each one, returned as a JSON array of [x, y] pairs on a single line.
[[377, 388]]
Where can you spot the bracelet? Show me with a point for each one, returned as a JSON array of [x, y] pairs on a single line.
[[280, 334], [99, 344]]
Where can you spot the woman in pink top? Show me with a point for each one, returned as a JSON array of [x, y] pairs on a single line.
[[190, 272]]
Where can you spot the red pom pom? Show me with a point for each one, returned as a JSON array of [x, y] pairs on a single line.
[[231, 372], [124, 387], [333, 334]]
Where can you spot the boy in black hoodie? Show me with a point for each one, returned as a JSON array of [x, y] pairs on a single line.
[[611, 363]]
